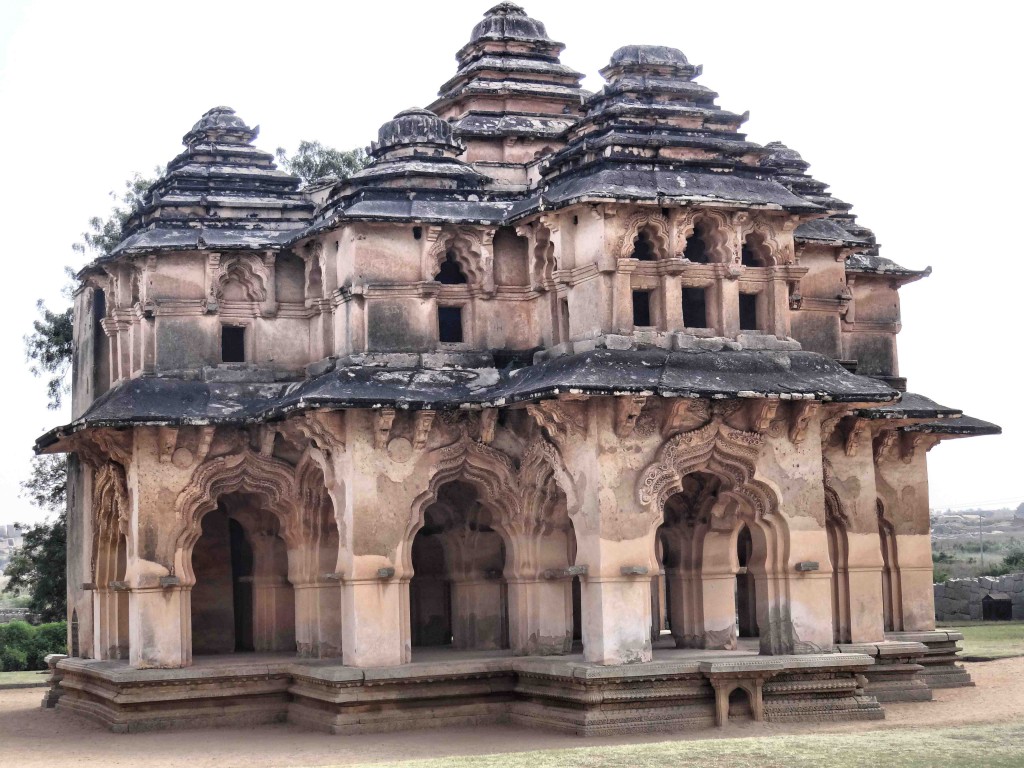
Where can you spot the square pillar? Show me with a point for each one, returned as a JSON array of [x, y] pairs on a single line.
[[540, 616], [374, 615], [160, 627]]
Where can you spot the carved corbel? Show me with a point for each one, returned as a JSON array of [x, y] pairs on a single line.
[[803, 412], [856, 430], [762, 413], [488, 423], [325, 429], [683, 414], [909, 442], [558, 419], [422, 421], [383, 421], [627, 411], [884, 440], [487, 261], [267, 435]]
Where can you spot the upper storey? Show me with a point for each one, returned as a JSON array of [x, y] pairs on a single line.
[[520, 220]]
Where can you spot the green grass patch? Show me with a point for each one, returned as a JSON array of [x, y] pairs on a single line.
[[18, 678], [990, 639], [994, 746]]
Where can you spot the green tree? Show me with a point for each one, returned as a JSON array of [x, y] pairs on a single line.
[[38, 568], [314, 160]]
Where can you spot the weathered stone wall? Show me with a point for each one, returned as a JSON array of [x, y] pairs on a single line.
[[960, 599]]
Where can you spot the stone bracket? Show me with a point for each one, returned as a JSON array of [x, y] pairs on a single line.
[[803, 412], [383, 421], [627, 411], [422, 421]]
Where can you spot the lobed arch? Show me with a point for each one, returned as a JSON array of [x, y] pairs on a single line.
[[246, 272], [650, 227], [467, 250], [246, 472], [717, 231], [770, 245]]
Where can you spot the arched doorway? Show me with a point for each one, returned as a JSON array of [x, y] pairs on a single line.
[[838, 555], [242, 599], [458, 595]]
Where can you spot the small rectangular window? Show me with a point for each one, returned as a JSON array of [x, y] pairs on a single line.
[[449, 324], [642, 308], [695, 311], [748, 312], [232, 344], [563, 306]]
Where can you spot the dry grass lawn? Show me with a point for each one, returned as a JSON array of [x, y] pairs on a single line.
[[991, 639]]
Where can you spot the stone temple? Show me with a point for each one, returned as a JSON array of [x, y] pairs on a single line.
[[571, 409]]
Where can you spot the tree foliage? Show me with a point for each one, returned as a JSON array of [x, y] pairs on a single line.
[[38, 568], [314, 160], [105, 233], [48, 350]]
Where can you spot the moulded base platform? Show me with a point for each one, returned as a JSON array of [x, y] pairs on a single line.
[[679, 690]]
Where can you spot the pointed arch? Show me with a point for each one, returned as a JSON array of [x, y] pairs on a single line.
[[716, 230]]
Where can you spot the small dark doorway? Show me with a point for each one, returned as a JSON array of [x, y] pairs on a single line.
[[232, 344], [449, 324], [997, 606], [748, 312], [695, 312], [642, 309]]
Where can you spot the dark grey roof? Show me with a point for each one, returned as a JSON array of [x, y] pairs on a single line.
[[910, 406], [959, 426], [723, 374], [867, 263], [507, 21]]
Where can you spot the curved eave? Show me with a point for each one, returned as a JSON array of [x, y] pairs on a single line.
[[743, 374], [962, 426]]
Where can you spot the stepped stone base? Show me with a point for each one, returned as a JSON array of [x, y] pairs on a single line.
[[897, 674], [563, 693], [941, 669]]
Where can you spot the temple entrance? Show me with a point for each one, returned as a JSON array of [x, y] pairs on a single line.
[[242, 599], [458, 596]]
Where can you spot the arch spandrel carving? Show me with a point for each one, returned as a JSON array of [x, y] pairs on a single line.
[[716, 448], [111, 511], [721, 236], [246, 472], [248, 272], [471, 253]]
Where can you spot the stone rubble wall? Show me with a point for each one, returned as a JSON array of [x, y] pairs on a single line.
[[960, 599]]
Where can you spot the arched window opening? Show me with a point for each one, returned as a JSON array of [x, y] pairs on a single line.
[[746, 589], [643, 246], [458, 595], [451, 271], [697, 250], [755, 251]]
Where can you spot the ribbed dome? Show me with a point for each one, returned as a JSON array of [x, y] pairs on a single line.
[[508, 20], [780, 156], [414, 126], [223, 124], [648, 55]]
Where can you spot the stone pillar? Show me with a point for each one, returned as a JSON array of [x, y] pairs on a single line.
[[374, 621], [914, 571], [273, 608], [616, 599], [160, 627], [540, 595], [810, 592], [865, 580]]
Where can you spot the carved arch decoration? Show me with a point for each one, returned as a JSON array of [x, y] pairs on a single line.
[[248, 272], [721, 237], [316, 525], [835, 510], [111, 513], [542, 258], [655, 226], [718, 449], [542, 477], [246, 472], [488, 469], [469, 251], [777, 238]]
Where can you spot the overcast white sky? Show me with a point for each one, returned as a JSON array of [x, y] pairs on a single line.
[[911, 111]]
